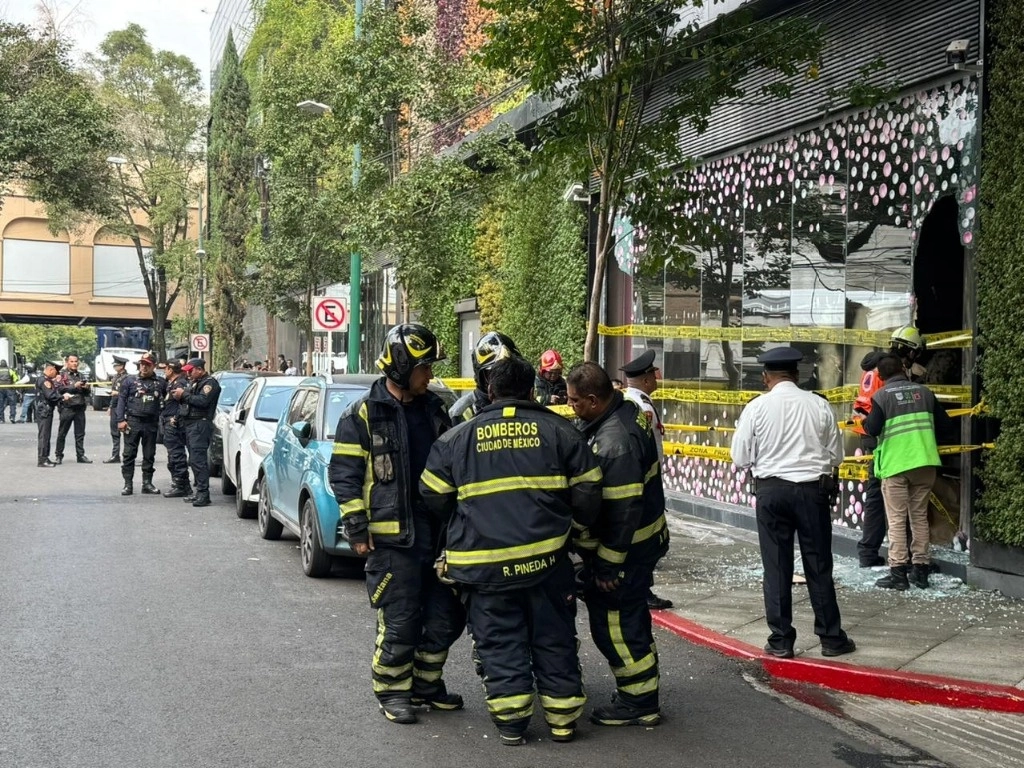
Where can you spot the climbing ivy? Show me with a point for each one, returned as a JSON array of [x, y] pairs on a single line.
[[1001, 282]]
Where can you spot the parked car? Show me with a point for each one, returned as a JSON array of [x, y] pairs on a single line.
[[249, 435], [294, 488], [232, 384]]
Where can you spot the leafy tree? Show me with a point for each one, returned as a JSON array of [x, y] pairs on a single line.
[[55, 134], [157, 100], [605, 61], [231, 163], [40, 343]]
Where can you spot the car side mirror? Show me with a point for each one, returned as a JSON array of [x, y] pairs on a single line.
[[303, 430]]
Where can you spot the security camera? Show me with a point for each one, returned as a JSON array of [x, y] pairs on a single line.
[[576, 193], [957, 51]]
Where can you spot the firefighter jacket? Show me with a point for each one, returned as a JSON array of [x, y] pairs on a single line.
[[468, 406], [140, 398], [632, 526], [904, 416], [370, 467], [511, 485]]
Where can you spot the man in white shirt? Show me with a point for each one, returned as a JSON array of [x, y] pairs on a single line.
[[789, 440]]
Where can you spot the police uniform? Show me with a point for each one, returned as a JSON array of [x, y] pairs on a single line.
[[115, 433], [196, 408], [625, 545], [638, 367], [72, 413], [789, 441], [139, 402], [174, 436], [514, 482], [47, 398]]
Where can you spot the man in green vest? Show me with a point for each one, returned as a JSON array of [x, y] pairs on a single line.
[[903, 417]]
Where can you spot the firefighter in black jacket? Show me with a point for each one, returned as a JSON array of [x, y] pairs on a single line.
[[175, 438], [622, 548], [492, 348], [197, 405], [511, 485], [47, 398], [381, 446], [140, 399], [74, 391]]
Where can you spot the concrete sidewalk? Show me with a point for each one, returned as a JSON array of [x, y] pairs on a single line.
[[948, 645]]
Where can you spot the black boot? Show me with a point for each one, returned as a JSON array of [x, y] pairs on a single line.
[[178, 491], [148, 487], [919, 575], [190, 497], [202, 499], [114, 459], [398, 711], [897, 579], [127, 490]]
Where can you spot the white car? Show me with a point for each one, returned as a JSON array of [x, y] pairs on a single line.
[[250, 436]]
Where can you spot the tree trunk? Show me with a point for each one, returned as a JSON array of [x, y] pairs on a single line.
[[271, 339], [309, 332], [601, 249]]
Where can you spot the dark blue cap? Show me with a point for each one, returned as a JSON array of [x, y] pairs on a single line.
[[781, 359], [641, 365], [118, 360]]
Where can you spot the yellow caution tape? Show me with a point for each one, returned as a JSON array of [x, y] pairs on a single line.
[[458, 384], [699, 451], [695, 428], [851, 336], [853, 472], [941, 508]]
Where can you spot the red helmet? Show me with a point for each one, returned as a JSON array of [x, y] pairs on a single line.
[[549, 360]]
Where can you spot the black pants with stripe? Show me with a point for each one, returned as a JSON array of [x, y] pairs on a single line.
[[418, 618], [620, 623], [525, 637], [177, 459]]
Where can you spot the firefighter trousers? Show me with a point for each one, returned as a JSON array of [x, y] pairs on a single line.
[[418, 618], [620, 624], [526, 638]]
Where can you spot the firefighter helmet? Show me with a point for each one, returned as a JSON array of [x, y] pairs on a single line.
[[491, 348], [550, 360], [907, 337], [405, 347]]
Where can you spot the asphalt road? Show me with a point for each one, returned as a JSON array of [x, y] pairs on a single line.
[[140, 632]]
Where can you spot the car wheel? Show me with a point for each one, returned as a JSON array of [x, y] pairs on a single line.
[[270, 529], [226, 486], [243, 507], [315, 562]]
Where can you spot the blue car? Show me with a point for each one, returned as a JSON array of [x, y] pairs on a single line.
[[294, 490]]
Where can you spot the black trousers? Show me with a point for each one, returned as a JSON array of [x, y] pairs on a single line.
[[177, 459], [45, 427], [620, 624], [71, 417], [141, 432], [785, 509], [418, 618], [197, 438], [527, 637], [873, 522], [115, 435]]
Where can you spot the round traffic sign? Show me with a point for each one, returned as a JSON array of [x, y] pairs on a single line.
[[330, 314], [201, 342]]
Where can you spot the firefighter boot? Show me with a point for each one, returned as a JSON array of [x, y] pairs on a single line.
[[398, 710]]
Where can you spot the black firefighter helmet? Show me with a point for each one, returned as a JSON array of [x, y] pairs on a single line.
[[491, 348], [405, 347]]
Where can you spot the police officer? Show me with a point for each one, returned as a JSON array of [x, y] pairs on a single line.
[[789, 440], [197, 407], [641, 382], [115, 433], [381, 446], [622, 548], [28, 397], [47, 398], [8, 394], [492, 348], [174, 434], [511, 484], [74, 391], [139, 401]]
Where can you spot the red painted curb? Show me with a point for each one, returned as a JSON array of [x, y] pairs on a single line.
[[871, 681]]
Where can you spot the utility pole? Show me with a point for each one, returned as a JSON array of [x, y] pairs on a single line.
[[355, 258]]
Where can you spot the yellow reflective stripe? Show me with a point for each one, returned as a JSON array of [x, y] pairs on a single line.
[[562, 702], [510, 708], [506, 554], [618, 643], [652, 472], [504, 484], [351, 507], [645, 686], [349, 449], [587, 543], [642, 534], [431, 658], [611, 555], [591, 476], [635, 668], [629, 491], [405, 684], [578, 526], [435, 483], [398, 671], [562, 719], [389, 527], [508, 412], [427, 675]]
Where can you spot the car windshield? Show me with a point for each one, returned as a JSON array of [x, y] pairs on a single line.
[[272, 403], [231, 388], [337, 401]]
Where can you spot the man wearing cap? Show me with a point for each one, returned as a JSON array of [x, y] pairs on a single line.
[[197, 406], [789, 440], [139, 402], [174, 433], [641, 382], [115, 434]]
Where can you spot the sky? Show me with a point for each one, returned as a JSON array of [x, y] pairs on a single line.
[[181, 26]]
